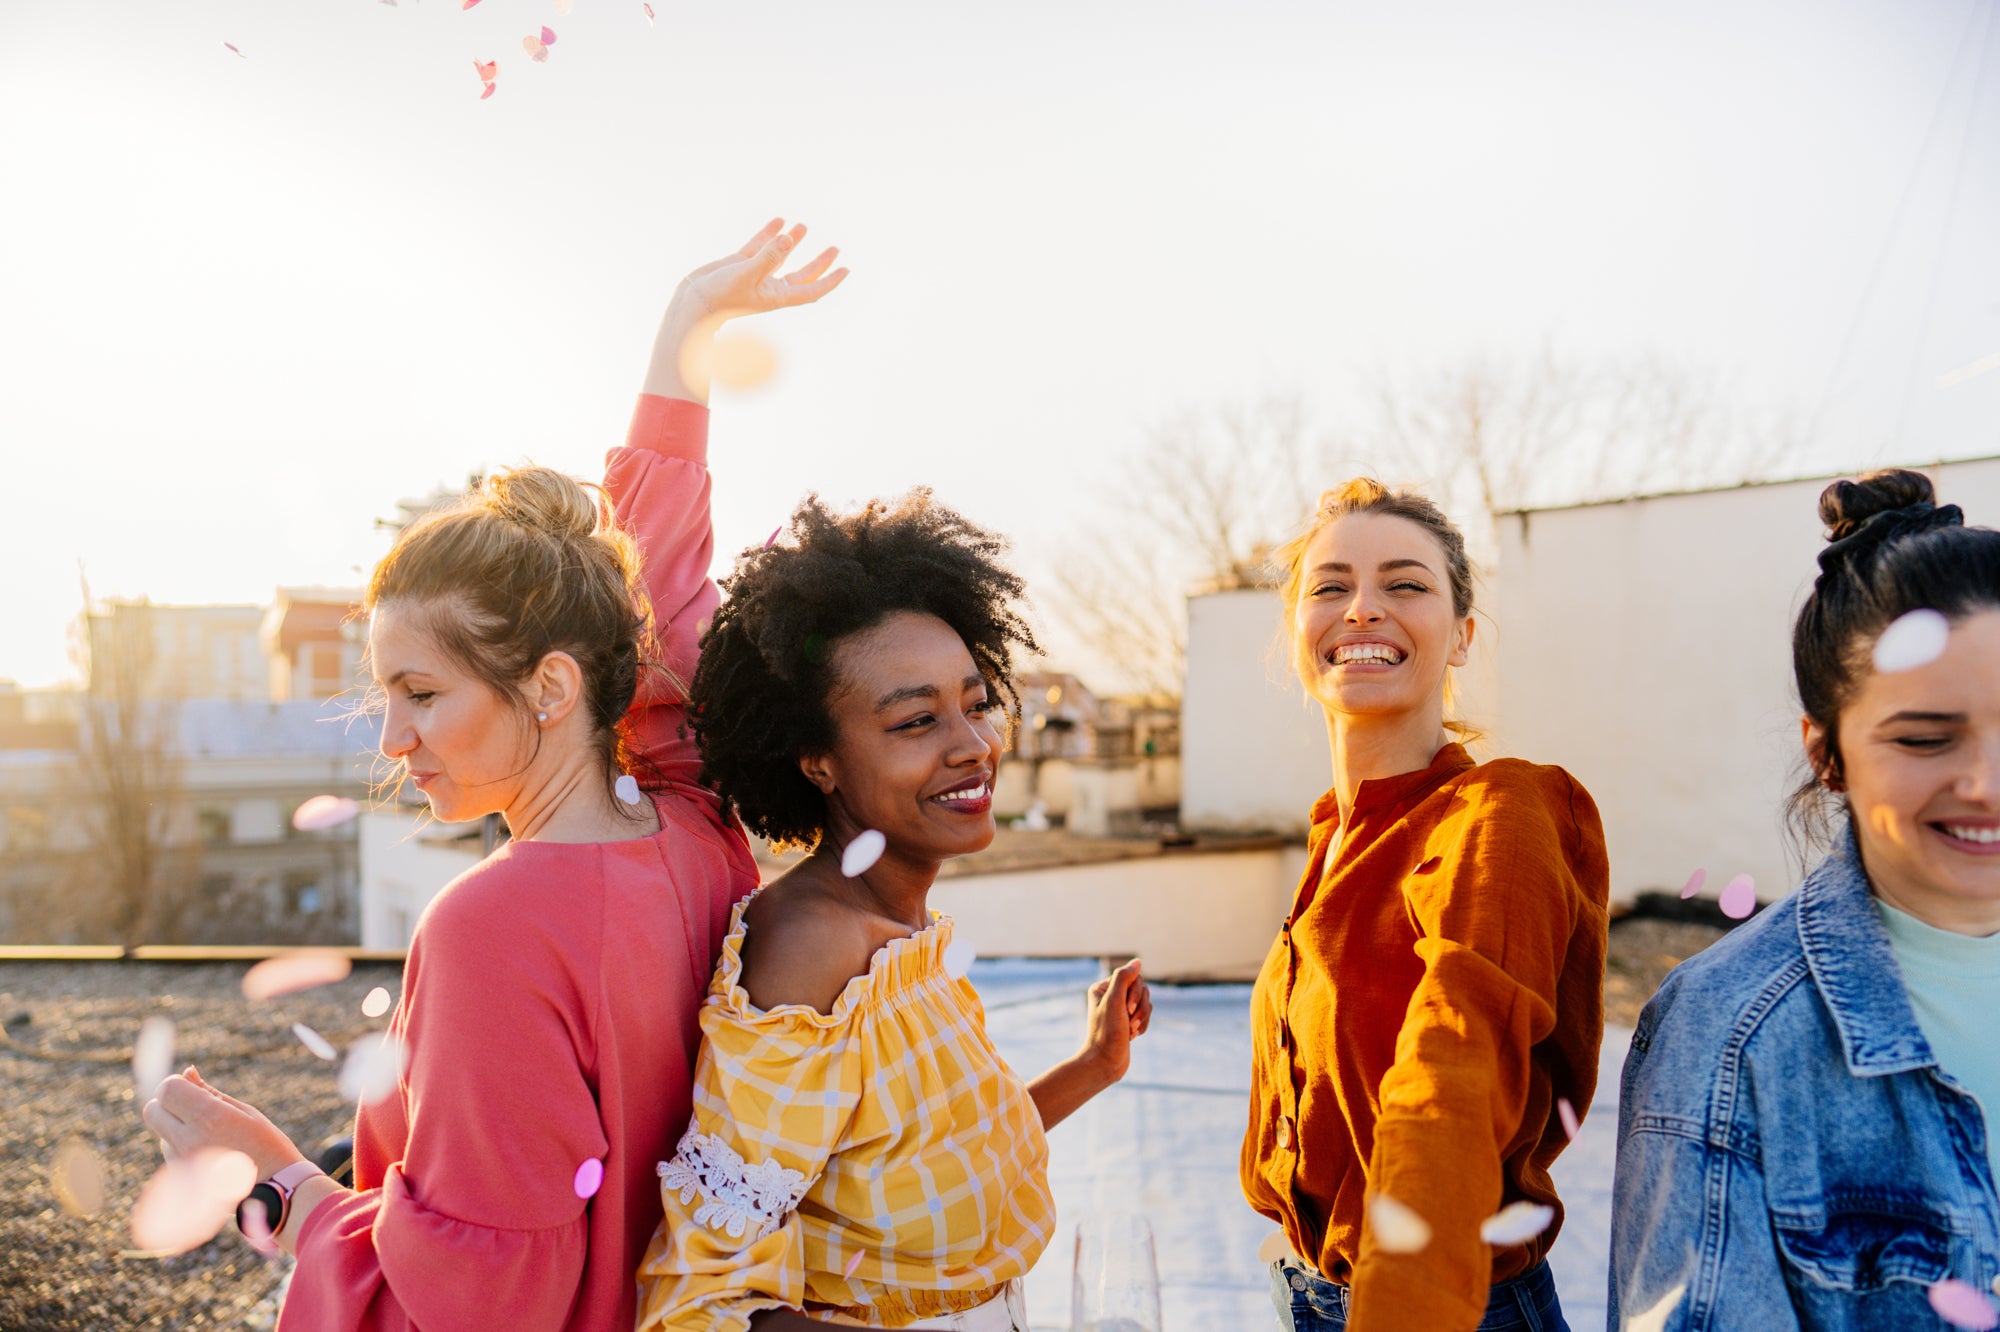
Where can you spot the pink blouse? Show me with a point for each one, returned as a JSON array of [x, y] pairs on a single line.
[[549, 1012]]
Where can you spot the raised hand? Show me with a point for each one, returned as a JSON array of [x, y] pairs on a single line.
[[744, 282], [1121, 1008]]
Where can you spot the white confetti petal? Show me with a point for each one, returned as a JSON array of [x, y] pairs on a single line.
[[1655, 1318], [1912, 642], [1516, 1223], [152, 1058], [77, 1176], [188, 1199], [959, 956], [1567, 1113], [324, 811], [376, 1004], [1274, 1247], [862, 853], [294, 971], [626, 788], [1398, 1229], [374, 1065], [315, 1042]]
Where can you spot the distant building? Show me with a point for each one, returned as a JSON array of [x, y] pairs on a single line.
[[195, 651], [313, 641]]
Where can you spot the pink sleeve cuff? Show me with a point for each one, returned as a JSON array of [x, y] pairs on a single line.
[[672, 427]]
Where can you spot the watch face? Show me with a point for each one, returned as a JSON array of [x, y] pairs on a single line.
[[266, 1196]]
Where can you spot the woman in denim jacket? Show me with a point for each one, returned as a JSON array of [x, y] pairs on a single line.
[[1801, 1141]]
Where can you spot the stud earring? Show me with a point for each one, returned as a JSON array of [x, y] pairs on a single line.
[[541, 716]]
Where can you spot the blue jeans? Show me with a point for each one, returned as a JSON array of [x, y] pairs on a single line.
[[1308, 1302]]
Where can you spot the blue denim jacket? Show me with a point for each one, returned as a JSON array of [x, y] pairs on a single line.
[[1789, 1153]]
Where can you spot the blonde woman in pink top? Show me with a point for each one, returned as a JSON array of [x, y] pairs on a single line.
[[549, 1002]]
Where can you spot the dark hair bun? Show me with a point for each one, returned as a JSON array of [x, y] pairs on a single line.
[[1845, 505]]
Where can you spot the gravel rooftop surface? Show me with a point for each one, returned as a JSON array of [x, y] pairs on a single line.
[[66, 1072]]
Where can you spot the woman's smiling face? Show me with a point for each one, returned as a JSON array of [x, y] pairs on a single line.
[[1373, 630], [1920, 763], [916, 740]]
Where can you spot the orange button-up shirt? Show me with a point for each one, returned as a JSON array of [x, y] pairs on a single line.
[[1437, 987]]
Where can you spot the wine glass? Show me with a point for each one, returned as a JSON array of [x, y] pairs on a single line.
[[1115, 1286]]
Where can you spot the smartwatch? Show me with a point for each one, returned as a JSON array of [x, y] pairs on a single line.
[[274, 1194]]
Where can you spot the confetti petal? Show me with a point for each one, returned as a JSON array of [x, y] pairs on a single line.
[[77, 1177], [152, 1058], [741, 361], [488, 71], [589, 1178], [489, 91], [854, 1262], [1996, 1285], [374, 1066], [1516, 1223], [1696, 882], [324, 811], [862, 853], [233, 51], [1963, 1305], [257, 1231], [563, 7], [1398, 1229], [959, 957], [1739, 898], [1914, 641], [548, 36], [294, 971], [468, 4], [315, 1042], [376, 1004], [1655, 1318], [1274, 1247], [649, 14], [772, 539], [536, 51], [626, 788], [1567, 1113], [188, 1199]]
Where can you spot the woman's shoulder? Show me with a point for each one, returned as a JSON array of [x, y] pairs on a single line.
[[1513, 800], [1738, 983]]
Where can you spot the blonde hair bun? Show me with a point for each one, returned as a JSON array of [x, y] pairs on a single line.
[[543, 499]]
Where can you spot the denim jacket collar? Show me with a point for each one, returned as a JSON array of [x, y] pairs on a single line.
[[1855, 969]]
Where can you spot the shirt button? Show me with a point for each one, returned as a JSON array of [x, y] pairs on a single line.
[[1285, 1133], [1298, 1280]]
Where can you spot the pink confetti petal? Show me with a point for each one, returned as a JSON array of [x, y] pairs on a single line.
[[233, 51], [862, 853], [487, 72], [376, 1004], [1696, 882], [1964, 1305], [1739, 898], [489, 91], [589, 1178], [77, 1177], [854, 1262], [1516, 1223], [1567, 1113], [536, 51], [772, 539], [315, 1042], [1912, 642], [188, 1199], [257, 1231], [649, 14], [548, 36], [374, 1066], [468, 4], [152, 1058], [294, 971], [324, 811], [1398, 1229]]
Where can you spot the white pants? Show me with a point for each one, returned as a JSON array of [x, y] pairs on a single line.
[[1005, 1312]]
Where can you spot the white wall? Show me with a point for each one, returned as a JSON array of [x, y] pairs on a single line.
[[406, 859], [1191, 915], [1646, 647], [1253, 747]]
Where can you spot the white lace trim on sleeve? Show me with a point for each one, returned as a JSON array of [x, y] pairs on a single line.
[[736, 1196]]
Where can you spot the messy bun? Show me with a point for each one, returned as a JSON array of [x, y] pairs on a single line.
[[1891, 549], [529, 563]]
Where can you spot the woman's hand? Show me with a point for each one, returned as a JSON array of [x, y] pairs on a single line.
[[743, 282], [1121, 1008], [188, 1115]]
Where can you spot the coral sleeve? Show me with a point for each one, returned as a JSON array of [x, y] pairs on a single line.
[[659, 488], [1494, 916], [479, 1219], [774, 1094]]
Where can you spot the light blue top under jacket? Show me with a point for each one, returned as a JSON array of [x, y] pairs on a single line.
[[1954, 985], [1789, 1155]]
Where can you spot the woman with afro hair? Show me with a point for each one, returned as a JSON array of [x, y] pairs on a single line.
[[859, 1153]]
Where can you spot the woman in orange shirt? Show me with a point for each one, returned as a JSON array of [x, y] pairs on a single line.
[[1436, 994]]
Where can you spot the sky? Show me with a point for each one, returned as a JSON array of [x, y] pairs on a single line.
[[248, 303]]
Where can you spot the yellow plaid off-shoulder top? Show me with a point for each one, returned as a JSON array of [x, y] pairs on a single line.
[[880, 1161]]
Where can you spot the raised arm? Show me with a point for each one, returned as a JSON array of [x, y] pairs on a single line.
[[659, 485]]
